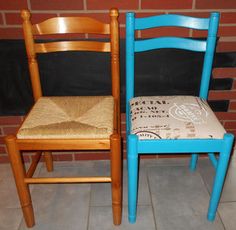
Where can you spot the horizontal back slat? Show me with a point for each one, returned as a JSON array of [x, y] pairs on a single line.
[[62, 25], [72, 46], [170, 42], [171, 20]]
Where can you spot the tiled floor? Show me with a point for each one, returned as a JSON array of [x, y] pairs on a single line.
[[170, 197]]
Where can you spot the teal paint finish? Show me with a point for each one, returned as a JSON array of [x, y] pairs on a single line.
[[160, 146]]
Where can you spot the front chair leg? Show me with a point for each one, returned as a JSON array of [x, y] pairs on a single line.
[[132, 155], [19, 175], [193, 162], [48, 161], [220, 176], [116, 178]]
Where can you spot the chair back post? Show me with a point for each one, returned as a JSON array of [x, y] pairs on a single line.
[[115, 69], [209, 55], [129, 64], [31, 54]]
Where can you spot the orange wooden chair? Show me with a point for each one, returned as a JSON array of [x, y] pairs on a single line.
[[68, 122]]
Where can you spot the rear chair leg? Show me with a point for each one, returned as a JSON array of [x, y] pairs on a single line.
[[193, 162], [19, 175], [116, 173], [48, 161]]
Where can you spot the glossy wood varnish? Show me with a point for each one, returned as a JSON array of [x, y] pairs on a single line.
[[68, 25]]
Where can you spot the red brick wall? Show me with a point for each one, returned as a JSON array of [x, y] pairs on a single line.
[[10, 21], [10, 28]]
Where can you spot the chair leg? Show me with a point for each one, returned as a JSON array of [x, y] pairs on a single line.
[[220, 176], [48, 161], [19, 175], [193, 162], [116, 177], [132, 155]]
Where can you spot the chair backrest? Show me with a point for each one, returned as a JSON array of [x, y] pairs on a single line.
[[136, 45], [71, 25]]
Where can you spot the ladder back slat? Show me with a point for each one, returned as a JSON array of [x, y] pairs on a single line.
[[63, 25], [72, 46]]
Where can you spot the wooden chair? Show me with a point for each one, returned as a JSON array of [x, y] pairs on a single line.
[[68, 122], [173, 124]]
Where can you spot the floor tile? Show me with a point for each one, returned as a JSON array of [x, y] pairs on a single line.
[[9, 196], [61, 206], [101, 193], [178, 198], [208, 172], [10, 218], [227, 213], [101, 219]]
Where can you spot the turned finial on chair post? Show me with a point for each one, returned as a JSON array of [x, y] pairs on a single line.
[[33, 64]]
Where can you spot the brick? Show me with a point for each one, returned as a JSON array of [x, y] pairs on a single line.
[[224, 72], [103, 17], [123, 127], [215, 4], [232, 105], [226, 46], [222, 94], [167, 4], [147, 14], [1, 18], [15, 18], [226, 115], [148, 156], [13, 4], [123, 117], [63, 157], [11, 33], [230, 125], [234, 84], [4, 159], [10, 120], [2, 140], [228, 17], [193, 14], [2, 149], [92, 156], [165, 31], [57, 5], [10, 130], [225, 31], [107, 4], [199, 34], [233, 132]]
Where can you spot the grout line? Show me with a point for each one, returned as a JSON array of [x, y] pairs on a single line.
[[85, 4], [4, 19], [140, 4], [29, 5], [11, 26], [226, 202], [194, 5]]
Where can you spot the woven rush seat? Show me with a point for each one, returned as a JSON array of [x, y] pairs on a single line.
[[69, 117], [173, 117]]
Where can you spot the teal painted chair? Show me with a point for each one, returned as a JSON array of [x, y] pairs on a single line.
[[173, 124]]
